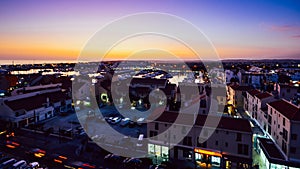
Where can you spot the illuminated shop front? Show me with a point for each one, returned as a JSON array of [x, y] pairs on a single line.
[[158, 153], [207, 158]]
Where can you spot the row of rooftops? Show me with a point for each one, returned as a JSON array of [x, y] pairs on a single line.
[[286, 108], [37, 101], [226, 123]]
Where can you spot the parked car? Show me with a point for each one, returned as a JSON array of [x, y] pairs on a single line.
[[36, 152], [8, 163], [34, 165], [3, 159], [115, 120], [57, 159], [19, 165], [125, 122], [12, 144], [132, 163]]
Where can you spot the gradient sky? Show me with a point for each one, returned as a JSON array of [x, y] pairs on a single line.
[[58, 29]]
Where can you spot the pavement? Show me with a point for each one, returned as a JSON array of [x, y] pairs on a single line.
[[256, 130]]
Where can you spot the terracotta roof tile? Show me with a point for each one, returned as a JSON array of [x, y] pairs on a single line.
[[235, 124], [253, 92], [241, 88], [263, 95], [287, 109]]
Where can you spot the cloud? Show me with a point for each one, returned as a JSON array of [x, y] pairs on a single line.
[[296, 36], [281, 28]]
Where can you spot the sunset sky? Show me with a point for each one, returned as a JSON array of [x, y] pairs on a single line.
[[58, 29]]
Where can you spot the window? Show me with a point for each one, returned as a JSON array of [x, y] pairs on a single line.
[[294, 136], [270, 120], [238, 137], [204, 144], [156, 126], [284, 134], [226, 144], [283, 122], [293, 150], [187, 140], [217, 143], [153, 133], [243, 149], [269, 129]]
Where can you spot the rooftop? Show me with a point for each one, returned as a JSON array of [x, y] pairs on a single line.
[[270, 150], [149, 81], [241, 88], [241, 125], [253, 92], [287, 109], [37, 101], [263, 95]]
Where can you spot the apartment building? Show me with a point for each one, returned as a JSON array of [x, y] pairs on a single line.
[[286, 91], [227, 146], [249, 102], [283, 127], [236, 93]]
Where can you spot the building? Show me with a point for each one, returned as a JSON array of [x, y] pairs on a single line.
[[261, 108], [272, 156], [249, 102], [286, 91], [256, 106], [283, 127], [253, 77], [230, 75], [31, 108], [235, 95], [228, 147]]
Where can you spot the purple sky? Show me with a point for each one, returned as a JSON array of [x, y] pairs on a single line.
[[58, 29]]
